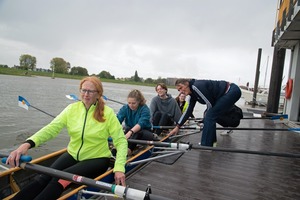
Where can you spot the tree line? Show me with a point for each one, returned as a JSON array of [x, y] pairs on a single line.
[[59, 65]]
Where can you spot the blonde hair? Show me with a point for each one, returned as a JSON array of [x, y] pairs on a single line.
[[138, 96], [99, 111]]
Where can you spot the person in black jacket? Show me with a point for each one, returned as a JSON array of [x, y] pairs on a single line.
[[219, 97]]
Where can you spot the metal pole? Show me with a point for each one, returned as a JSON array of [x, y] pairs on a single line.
[[254, 102]]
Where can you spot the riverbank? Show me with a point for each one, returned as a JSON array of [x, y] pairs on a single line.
[[20, 72]]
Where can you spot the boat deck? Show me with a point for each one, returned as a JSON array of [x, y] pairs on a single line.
[[200, 174]]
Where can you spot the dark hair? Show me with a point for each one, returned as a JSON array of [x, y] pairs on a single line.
[[99, 111], [161, 85], [138, 96], [177, 98], [183, 81]]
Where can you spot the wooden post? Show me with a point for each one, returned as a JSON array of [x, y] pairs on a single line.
[[276, 80]]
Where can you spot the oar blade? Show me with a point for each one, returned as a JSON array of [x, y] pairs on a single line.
[[297, 130], [23, 103], [72, 97], [104, 97], [280, 119]]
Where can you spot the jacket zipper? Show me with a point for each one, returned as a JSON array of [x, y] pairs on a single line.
[[82, 134]]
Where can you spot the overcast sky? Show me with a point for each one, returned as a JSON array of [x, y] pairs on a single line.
[[158, 38]]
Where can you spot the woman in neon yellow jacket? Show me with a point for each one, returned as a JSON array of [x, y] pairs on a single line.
[[89, 123]]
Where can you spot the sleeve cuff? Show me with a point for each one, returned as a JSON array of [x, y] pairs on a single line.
[[32, 144]]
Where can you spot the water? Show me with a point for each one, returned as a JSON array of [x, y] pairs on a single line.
[[17, 124]]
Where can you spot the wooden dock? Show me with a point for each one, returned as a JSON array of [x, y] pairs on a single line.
[[205, 175]]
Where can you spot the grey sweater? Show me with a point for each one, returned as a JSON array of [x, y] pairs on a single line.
[[168, 105]]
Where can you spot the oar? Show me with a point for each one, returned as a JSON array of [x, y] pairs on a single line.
[[231, 128], [25, 104], [182, 146], [121, 191], [275, 117], [72, 97], [106, 98], [75, 98]]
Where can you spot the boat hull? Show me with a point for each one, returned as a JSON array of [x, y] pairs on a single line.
[[261, 97]]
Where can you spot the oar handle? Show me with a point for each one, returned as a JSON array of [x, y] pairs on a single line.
[[23, 158]]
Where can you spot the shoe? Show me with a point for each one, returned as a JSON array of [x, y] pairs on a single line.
[[226, 132], [215, 144]]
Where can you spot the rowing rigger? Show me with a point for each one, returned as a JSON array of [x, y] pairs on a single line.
[[230, 128], [184, 146], [118, 190]]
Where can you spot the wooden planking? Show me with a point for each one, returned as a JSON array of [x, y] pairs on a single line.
[[220, 175]]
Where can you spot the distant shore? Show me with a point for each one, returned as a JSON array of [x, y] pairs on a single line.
[[20, 72]]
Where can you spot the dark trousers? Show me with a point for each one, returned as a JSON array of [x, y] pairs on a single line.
[[222, 105], [45, 187], [161, 119], [143, 134]]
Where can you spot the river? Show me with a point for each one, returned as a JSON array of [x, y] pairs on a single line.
[[49, 95]]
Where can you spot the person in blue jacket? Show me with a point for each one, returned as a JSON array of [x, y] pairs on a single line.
[[219, 97], [136, 115]]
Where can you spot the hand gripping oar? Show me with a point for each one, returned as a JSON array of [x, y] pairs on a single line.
[[231, 128], [121, 191], [25, 104], [23, 158], [183, 146]]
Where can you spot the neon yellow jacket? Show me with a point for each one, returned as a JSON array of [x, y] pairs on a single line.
[[185, 106], [88, 137]]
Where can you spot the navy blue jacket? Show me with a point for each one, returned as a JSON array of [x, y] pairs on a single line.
[[205, 92]]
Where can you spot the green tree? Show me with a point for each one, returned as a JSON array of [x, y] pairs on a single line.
[[161, 80], [59, 65], [106, 74], [79, 71], [4, 66], [149, 80], [136, 77], [27, 62]]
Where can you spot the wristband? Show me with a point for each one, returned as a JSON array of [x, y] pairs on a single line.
[[131, 131]]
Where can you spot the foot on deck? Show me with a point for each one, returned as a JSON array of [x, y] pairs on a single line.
[[226, 132], [208, 150]]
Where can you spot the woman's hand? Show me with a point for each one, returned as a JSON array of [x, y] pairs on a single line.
[[120, 178], [174, 131], [14, 157], [128, 135]]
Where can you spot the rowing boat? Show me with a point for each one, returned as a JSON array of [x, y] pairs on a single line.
[[12, 180]]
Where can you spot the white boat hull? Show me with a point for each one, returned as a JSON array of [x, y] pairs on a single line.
[[261, 97]]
